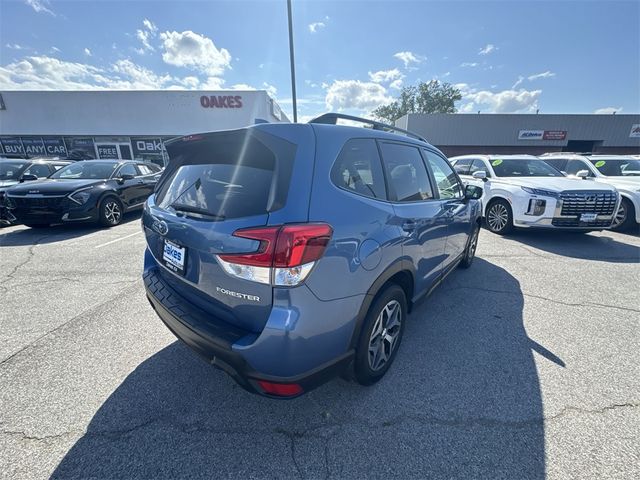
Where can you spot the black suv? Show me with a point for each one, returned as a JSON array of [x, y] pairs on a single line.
[[17, 170], [97, 191]]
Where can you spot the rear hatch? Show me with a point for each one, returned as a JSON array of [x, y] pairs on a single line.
[[216, 184]]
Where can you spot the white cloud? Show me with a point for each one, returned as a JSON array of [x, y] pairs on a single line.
[[87, 52], [342, 94], [383, 76], [40, 6], [607, 110], [409, 58], [48, 73], [487, 49], [242, 86], [469, 64], [55, 49], [149, 25], [315, 27], [518, 82], [396, 84], [547, 74], [192, 50], [271, 90], [14, 46], [145, 34], [506, 101]]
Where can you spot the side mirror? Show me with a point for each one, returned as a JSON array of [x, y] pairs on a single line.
[[126, 176], [480, 175], [473, 192], [582, 174], [28, 177]]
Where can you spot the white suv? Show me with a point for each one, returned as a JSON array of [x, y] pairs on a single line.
[[620, 171], [525, 191]]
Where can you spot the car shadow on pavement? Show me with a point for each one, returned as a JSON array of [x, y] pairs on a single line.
[[462, 401], [580, 245], [26, 236]]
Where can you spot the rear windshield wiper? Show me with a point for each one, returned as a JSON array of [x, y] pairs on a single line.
[[181, 208]]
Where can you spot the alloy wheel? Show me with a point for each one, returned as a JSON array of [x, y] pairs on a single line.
[[384, 336], [498, 217], [621, 216], [112, 212]]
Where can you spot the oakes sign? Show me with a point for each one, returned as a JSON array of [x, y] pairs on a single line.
[[221, 101]]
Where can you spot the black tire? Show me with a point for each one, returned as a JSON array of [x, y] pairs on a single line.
[[499, 217], [470, 251], [389, 299], [110, 211], [625, 216], [37, 225]]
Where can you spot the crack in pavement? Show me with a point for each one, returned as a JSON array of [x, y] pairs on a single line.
[[67, 322], [30, 255]]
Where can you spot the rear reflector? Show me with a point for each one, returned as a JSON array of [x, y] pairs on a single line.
[[285, 255], [280, 389]]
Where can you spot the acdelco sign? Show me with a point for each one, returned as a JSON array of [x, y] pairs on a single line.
[[530, 134], [221, 101]]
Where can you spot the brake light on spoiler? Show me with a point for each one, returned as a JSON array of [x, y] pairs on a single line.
[[285, 256]]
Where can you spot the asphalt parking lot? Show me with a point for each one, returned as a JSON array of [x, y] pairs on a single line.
[[524, 366]]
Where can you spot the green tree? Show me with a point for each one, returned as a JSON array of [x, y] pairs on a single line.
[[426, 97]]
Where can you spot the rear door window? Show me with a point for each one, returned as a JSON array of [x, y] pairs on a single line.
[[358, 169], [406, 173], [227, 175]]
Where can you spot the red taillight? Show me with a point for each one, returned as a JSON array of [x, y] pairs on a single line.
[[283, 247], [280, 389], [263, 257], [300, 244]]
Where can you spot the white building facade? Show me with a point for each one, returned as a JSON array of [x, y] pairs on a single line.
[[122, 124]]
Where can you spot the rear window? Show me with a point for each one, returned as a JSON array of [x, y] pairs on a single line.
[[227, 175]]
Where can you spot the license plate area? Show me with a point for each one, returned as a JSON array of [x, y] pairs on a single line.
[[174, 257], [588, 217]]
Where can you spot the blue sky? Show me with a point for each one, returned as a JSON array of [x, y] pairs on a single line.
[[508, 56]]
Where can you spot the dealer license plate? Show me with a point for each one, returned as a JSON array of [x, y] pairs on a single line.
[[174, 257], [588, 217]]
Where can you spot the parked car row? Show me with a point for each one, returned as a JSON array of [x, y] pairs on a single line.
[[560, 190], [44, 192]]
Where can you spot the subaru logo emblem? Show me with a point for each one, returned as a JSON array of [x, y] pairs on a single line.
[[160, 226]]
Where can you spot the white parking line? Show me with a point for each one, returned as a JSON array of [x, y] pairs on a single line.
[[118, 239]]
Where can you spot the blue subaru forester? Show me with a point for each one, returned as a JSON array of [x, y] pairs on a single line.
[[286, 254]]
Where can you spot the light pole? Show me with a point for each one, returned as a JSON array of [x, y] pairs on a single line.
[[293, 68]]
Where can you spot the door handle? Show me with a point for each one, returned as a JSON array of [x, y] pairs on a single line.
[[409, 226]]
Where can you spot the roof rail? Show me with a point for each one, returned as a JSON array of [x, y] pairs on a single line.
[[332, 119], [560, 154]]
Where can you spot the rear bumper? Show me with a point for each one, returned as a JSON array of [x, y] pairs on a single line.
[[214, 340]]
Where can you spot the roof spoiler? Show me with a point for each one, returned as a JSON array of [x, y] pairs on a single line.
[[332, 119]]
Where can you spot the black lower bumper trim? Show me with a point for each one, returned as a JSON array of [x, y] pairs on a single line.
[[214, 342]]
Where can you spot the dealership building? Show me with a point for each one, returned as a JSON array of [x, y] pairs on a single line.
[[121, 124], [460, 134]]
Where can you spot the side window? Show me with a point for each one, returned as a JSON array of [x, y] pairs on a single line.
[[478, 166], [358, 168], [128, 169], [144, 170], [557, 163], [407, 174], [39, 170], [574, 166], [58, 166], [462, 166], [446, 180]]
